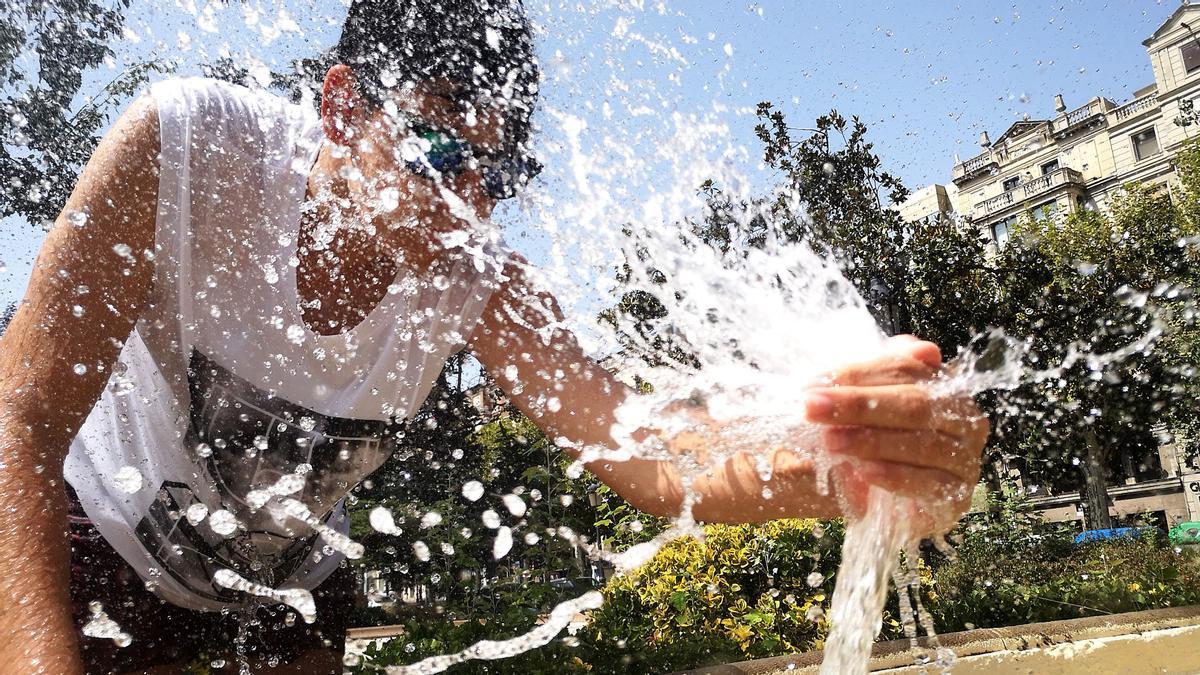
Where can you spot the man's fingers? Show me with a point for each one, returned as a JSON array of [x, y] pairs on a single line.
[[916, 348], [893, 407], [916, 449], [893, 369]]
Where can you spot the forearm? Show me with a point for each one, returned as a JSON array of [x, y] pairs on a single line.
[[37, 633], [733, 492]]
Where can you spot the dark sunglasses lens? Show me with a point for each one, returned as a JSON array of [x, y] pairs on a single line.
[[445, 155]]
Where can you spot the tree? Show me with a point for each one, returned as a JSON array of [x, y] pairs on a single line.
[[46, 48], [7, 316], [1095, 292], [457, 485], [929, 278]]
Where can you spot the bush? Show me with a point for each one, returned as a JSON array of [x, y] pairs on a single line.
[[741, 593], [983, 589], [514, 614], [1013, 568], [744, 592]]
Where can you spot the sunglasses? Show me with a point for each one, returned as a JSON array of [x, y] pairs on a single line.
[[441, 154]]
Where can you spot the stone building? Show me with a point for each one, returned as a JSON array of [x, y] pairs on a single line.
[[1078, 158]]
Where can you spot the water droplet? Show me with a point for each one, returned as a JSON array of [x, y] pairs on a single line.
[[421, 550], [256, 499], [503, 543], [128, 480], [121, 385], [491, 519], [472, 490], [196, 513], [514, 504], [222, 522], [79, 369]]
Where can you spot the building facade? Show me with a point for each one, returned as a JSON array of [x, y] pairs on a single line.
[[1080, 157]]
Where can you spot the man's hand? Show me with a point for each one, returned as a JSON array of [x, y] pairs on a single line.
[[893, 431]]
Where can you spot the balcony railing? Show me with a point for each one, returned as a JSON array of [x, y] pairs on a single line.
[[1134, 107], [975, 163], [1029, 189], [981, 164], [1094, 109]]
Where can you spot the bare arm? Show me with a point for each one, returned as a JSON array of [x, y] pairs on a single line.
[[81, 304], [552, 365], [880, 424]]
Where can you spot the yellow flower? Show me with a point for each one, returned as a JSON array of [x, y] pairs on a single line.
[[1135, 587]]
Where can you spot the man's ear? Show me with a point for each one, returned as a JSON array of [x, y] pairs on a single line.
[[341, 104]]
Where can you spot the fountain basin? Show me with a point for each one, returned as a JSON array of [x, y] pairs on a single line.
[[1153, 641]]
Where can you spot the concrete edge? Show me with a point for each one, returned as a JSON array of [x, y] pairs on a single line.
[[897, 653]]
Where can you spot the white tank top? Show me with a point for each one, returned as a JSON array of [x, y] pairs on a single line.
[[222, 397]]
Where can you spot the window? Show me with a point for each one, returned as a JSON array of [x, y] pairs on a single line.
[[1145, 144], [1044, 211], [1190, 51], [1050, 167], [1000, 230], [1010, 183]]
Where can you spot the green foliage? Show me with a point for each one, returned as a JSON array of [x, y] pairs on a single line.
[[45, 50], [742, 592], [445, 445], [514, 613], [1036, 574], [1094, 283]]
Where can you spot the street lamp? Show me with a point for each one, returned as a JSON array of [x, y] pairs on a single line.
[[882, 299], [594, 500]]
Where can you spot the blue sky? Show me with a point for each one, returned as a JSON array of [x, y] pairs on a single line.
[[926, 77]]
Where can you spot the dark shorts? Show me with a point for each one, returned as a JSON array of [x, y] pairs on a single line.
[[164, 634]]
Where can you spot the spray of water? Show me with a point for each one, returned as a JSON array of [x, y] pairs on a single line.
[[760, 324]]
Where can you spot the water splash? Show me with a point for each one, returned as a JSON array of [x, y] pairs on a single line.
[[560, 617], [296, 598], [332, 538], [99, 625]]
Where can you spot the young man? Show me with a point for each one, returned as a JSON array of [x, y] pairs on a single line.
[[242, 298]]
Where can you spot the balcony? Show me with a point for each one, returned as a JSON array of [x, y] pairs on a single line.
[[1136, 107], [1029, 190], [1082, 118], [982, 165]]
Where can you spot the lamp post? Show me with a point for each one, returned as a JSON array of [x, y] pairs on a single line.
[[883, 300], [594, 500]]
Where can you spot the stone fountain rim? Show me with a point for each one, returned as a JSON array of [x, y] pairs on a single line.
[[896, 653]]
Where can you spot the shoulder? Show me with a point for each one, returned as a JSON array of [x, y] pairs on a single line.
[[196, 105], [210, 95]]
